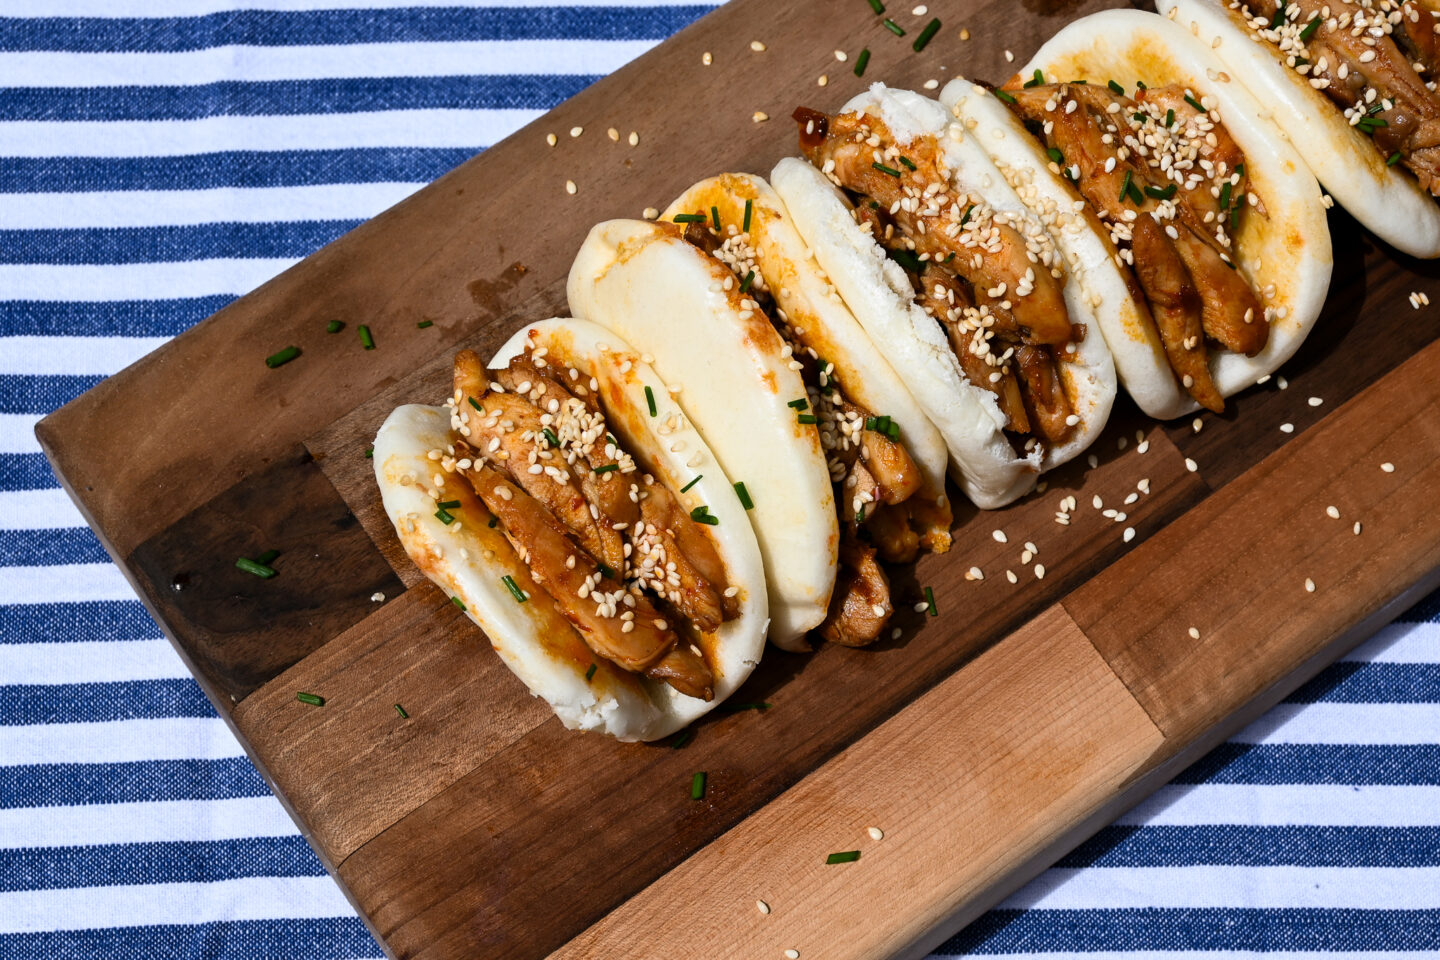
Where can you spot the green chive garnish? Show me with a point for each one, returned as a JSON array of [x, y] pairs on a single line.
[[310, 698], [893, 27], [930, 607], [1139, 117], [715, 216], [448, 504], [590, 673], [458, 602], [515, 591], [1161, 193], [650, 400], [366, 340], [908, 259], [798, 404], [749, 209], [605, 571], [966, 218], [1135, 195], [682, 738], [1225, 195], [884, 169], [369, 453], [282, 357], [401, 710], [1393, 159], [1169, 118], [1195, 103], [1055, 155], [1140, 85], [1003, 96], [1037, 81], [1125, 186], [1235, 215], [259, 569], [690, 218], [425, 323], [926, 35], [861, 62], [848, 856], [877, 6], [744, 496], [267, 556], [550, 437], [702, 514], [806, 418], [334, 326], [476, 404], [444, 517], [607, 468], [1116, 88], [698, 478], [1279, 16], [749, 279], [1310, 29], [860, 516], [494, 522], [910, 164], [697, 786]]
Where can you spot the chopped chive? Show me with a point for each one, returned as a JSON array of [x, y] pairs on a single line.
[[860, 515], [607, 468], [334, 326], [461, 603], [1393, 159], [682, 738], [892, 429], [610, 438], [1003, 97], [550, 437], [369, 453], [749, 279], [861, 62], [908, 259], [806, 418], [267, 556], [494, 522], [1037, 81], [1116, 88], [926, 35], [1279, 16], [1195, 103], [259, 569], [1055, 155], [930, 602], [1161, 193], [401, 710], [650, 400], [690, 218], [847, 856], [1139, 117], [884, 169], [1135, 195], [1302, 61], [1169, 118], [715, 216], [444, 516], [697, 786], [1126, 185], [910, 164], [966, 218], [590, 673], [749, 209], [515, 591], [448, 504], [744, 496], [1225, 195], [605, 571], [798, 404], [1235, 215], [702, 514], [310, 698], [893, 27], [1140, 85], [877, 6], [366, 340], [1376, 107], [425, 323], [1081, 83], [282, 357], [698, 478]]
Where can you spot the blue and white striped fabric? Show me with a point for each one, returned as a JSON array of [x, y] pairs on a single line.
[[153, 169]]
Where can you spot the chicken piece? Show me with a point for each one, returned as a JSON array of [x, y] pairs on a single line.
[[888, 528], [1230, 312], [1045, 401], [860, 604], [696, 584], [897, 476], [684, 669]]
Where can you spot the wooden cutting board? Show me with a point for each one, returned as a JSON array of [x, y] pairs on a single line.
[[984, 743]]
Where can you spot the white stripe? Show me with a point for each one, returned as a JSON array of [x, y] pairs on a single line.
[[252, 898], [119, 741], [64, 583], [98, 661], [171, 820], [154, 208], [1339, 723], [136, 281], [193, 8], [80, 356], [48, 509], [327, 131], [1326, 888], [1401, 643], [17, 435], [1277, 805], [435, 59]]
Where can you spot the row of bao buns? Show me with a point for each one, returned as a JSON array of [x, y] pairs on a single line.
[[757, 403]]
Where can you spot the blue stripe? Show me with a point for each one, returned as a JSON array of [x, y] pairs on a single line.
[[107, 318], [405, 25], [1084, 931], [297, 238], [1244, 846], [337, 938], [1351, 682], [231, 168], [59, 868], [37, 548], [1307, 763], [31, 704], [252, 98], [25, 394], [69, 784], [25, 471], [76, 622]]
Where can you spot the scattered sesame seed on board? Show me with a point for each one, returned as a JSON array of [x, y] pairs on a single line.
[[1357, 528], [1333, 512], [841, 55], [875, 833], [1388, 467], [792, 954], [1009, 57], [1287, 428], [922, 606], [757, 46], [650, 213], [1309, 585], [1097, 503], [576, 131], [964, 34], [634, 139], [1093, 460], [920, 11], [1197, 424], [551, 139], [762, 906], [1031, 548], [931, 84], [1128, 535], [1194, 633], [570, 186], [1282, 383], [613, 134], [377, 597], [999, 536], [759, 116], [706, 58], [1039, 571], [1191, 465], [1010, 575], [822, 80], [1315, 401], [974, 573], [1143, 446]]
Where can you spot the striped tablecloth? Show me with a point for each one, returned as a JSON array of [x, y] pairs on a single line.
[[153, 169]]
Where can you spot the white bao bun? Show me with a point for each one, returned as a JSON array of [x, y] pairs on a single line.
[[646, 283], [1387, 200], [879, 294], [533, 639]]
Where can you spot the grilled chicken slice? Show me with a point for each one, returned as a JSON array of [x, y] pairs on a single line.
[[1045, 401], [681, 561], [684, 669], [891, 465], [860, 605], [889, 528], [1230, 313]]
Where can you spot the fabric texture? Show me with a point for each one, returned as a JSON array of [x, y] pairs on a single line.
[[159, 158]]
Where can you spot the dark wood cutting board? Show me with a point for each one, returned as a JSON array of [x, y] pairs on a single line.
[[984, 743]]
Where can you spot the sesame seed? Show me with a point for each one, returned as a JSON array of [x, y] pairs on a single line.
[[822, 80], [974, 573], [1332, 512], [964, 34], [576, 131], [1097, 503], [1194, 634], [1309, 585], [1128, 535], [1357, 528], [1000, 537], [757, 46], [792, 954], [1143, 446], [1287, 428], [634, 139], [1388, 467], [378, 597], [920, 11], [1315, 401], [706, 58], [841, 55], [1009, 57], [1197, 424], [1039, 571], [570, 186], [1093, 460], [762, 906], [613, 134], [1191, 465], [1010, 575], [922, 606], [1282, 383], [551, 139], [759, 116], [877, 609], [650, 213]]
